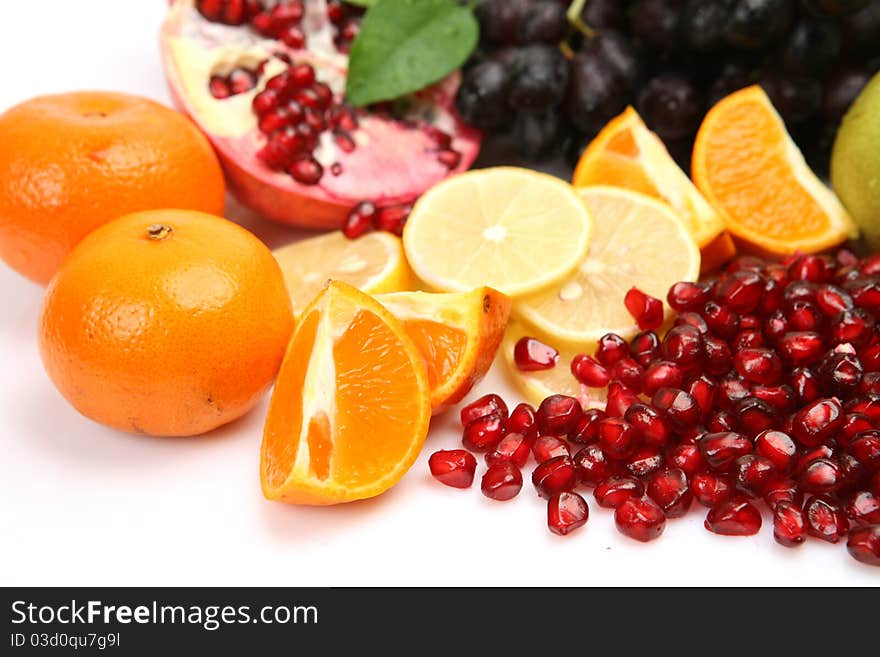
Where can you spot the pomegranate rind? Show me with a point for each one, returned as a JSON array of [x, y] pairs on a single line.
[[391, 165]]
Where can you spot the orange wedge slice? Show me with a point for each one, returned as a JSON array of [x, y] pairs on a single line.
[[751, 171], [627, 154], [351, 405], [457, 334]]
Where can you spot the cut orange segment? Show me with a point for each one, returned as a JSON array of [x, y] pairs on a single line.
[[627, 154], [537, 385], [751, 171], [457, 334], [351, 405]]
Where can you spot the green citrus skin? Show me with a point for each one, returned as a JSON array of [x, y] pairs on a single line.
[[855, 162]]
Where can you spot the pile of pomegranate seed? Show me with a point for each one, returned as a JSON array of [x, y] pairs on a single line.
[[238, 81], [765, 391]]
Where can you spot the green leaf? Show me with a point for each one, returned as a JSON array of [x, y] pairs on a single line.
[[362, 3], [405, 45]]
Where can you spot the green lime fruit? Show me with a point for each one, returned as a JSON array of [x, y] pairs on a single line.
[[855, 162]]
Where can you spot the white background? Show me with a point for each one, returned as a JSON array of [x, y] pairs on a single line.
[[81, 504]]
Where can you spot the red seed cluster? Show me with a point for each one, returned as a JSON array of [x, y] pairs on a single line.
[[765, 391]]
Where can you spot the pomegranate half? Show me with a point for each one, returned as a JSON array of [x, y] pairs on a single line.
[[265, 81]]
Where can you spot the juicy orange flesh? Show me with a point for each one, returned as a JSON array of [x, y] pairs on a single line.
[[750, 175], [373, 403], [624, 144], [284, 422], [320, 445], [442, 347]]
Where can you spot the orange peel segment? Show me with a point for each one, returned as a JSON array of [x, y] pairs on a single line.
[[626, 153], [751, 171], [351, 405], [457, 334]]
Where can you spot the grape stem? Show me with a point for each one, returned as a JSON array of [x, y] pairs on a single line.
[[574, 17]]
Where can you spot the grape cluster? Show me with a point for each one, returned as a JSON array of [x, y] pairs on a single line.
[[552, 86]]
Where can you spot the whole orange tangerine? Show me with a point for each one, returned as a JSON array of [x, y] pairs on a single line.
[[166, 322], [72, 162]]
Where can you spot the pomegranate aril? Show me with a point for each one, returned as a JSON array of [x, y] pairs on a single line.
[[853, 425], [710, 489], [820, 476], [680, 408], [617, 437], [754, 416], [806, 385], [483, 433], [554, 476], [780, 398], [359, 220], [648, 425], [285, 13], [825, 519], [522, 420], [799, 291], [324, 93], [589, 371], [219, 87], [853, 474], [335, 11], [748, 339], [866, 294], [440, 138], [670, 490], [265, 102], [530, 355], [731, 390], [566, 511], [717, 357], [485, 405], [840, 372], [751, 474], [640, 519], [801, 348], [863, 508], [722, 321], [629, 373], [721, 421], [772, 297], [789, 524], [548, 447], [853, 326], [558, 415], [778, 447], [735, 517], [868, 405], [513, 447], [611, 348], [720, 450], [688, 458], [449, 158], [644, 461], [615, 490], [229, 12], [761, 366], [775, 326], [863, 544], [870, 355], [587, 428], [293, 37], [662, 374], [870, 384], [645, 309], [832, 300], [683, 345], [241, 80], [592, 466], [644, 348], [816, 422], [502, 481], [865, 448], [454, 467], [741, 291], [783, 490], [307, 171], [875, 483], [619, 399], [870, 265], [686, 296]]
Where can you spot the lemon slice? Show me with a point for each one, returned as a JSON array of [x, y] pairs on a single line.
[[374, 263], [638, 242], [537, 385], [512, 229]]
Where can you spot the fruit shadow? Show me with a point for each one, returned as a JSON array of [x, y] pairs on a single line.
[[62, 434]]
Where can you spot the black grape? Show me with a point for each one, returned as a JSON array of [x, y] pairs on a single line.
[[604, 14], [840, 89], [861, 30], [756, 24], [703, 23], [536, 135], [500, 20], [812, 47], [671, 105], [796, 99], [655, 23], [539, 78], [835, 7], [595, 93], [482, 96], [616, 51], [545, 23]]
